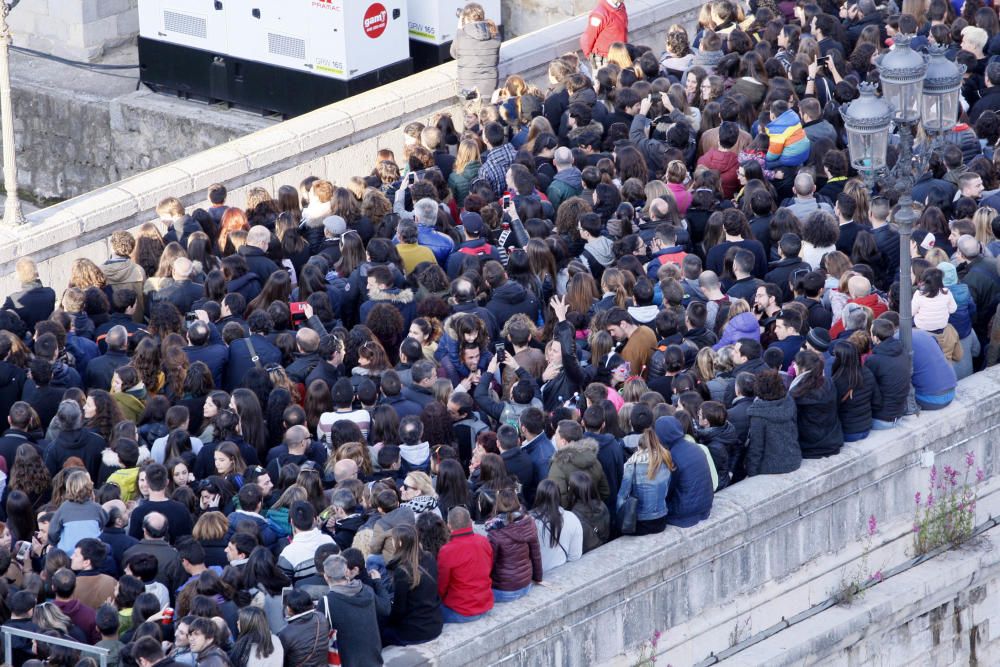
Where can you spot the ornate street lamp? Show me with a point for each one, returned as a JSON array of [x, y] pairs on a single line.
[[901, 71], [941, 92], [867, 120], [12, 214]]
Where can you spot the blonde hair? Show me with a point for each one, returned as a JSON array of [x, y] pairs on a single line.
[[256, 197], [676, 172], [658, 454], [323, 191], [79, 487], [26, 270], [210, 526], [737, 307], [474, 13], [172, 206], [468, 152], [421, 482], [618, 54], [982, 220]]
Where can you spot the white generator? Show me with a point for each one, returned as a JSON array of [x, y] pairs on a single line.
[[275, 56], [343, 39], [434, 23], [199, 24]]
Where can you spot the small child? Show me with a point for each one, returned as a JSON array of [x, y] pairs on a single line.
[[107, 625], [124, 459], [934, 303]]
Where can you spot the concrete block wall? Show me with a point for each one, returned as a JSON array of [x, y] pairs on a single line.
[[77, 29], [337, 141]]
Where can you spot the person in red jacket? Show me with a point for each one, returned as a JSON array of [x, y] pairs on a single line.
[[464, 566], [607, 24], [724, 158]]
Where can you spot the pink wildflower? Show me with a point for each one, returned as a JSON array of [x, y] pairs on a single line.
[[933, 474], [930, 500], [916, 498], [980, 475], [970, 459], [872, 525]]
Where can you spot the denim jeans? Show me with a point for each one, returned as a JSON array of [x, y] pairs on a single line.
[[510, 596], [452, 616], [854, 437], [879, 425]]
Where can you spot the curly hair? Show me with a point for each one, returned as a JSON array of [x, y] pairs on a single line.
[[107, 414], [28, 473], [146, 362], [175, 369], [437, 424], [84, 273], [148, 248], [386, 322]]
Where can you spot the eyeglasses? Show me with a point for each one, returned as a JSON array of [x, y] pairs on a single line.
[[405, 487]]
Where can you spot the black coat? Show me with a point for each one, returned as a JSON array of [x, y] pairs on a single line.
[[773, 443], [326, 372], [416, 612], [83, 444], [45, 400], [32, 304], [818, 315], [754, 366], [101, 370], [181, 293], [181, 230], [725, 448], [249, 285], [855, 411], [818, 423], [258, 262], [213, 355], [305, 640], [240, 361], [611, 455], [403, 405], [519, 465], [11, 439], [781, 272], [12, 381], [303, 365], [891, 368]]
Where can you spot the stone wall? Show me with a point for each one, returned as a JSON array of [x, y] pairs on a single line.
[[695, 585], [336, 141], [944, 611], [77, 29]]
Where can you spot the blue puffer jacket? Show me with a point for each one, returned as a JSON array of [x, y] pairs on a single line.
[[440, 244], [691, 492], [652, 493]]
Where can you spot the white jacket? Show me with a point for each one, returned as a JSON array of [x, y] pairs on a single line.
[[569, 547], [297, 560]]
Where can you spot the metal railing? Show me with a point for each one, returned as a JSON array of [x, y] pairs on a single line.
[[8, 650]]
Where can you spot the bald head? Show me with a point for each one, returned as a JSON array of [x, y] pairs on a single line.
[[117, 513], [117, 338], [154, 526], [804, 185], [297, 439], [307, 340], [968, 246], [858, 287], [345, 469], [659, 208]]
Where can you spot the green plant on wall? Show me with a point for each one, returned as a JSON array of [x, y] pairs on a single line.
[[947, 514]]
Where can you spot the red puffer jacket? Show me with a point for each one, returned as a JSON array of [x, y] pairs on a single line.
[[517, 558]]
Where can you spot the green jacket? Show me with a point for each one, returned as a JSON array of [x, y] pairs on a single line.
[[461, 183]]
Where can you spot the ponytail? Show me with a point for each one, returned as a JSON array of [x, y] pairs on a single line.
[[658, 454]]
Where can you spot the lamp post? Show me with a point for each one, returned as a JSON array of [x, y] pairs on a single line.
[[12, 214], [867, 120], [914, 87]]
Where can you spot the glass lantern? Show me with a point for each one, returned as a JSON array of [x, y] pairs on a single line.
[[867, 120], [901, 72], [942, 86]]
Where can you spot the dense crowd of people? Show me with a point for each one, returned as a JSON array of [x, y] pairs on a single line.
[[344, 415]]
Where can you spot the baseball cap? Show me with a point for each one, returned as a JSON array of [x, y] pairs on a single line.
[[473, 223], [334, 225]]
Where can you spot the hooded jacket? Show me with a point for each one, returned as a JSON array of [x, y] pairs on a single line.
[[80, 443], [744, 325], [476, 51], [689, 499], [306, 639], [122, 272], [249, 285], [773, 441], [598, 254], [400, 299], [817, 420], [512, 298], [727, 164], [464, 566], [33, 303], [726, 449], [580, 455], [350, 608], [892, 372], [517, 555], [566, 183], [789, 146]]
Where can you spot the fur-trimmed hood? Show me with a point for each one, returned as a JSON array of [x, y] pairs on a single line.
[[109, 457], [578, 454], [392, 295]]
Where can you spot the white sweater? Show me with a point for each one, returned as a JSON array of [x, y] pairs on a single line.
[[931, 314], [570, 546]]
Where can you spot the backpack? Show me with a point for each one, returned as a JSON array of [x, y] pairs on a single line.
[[483, 252], [591, 531]]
